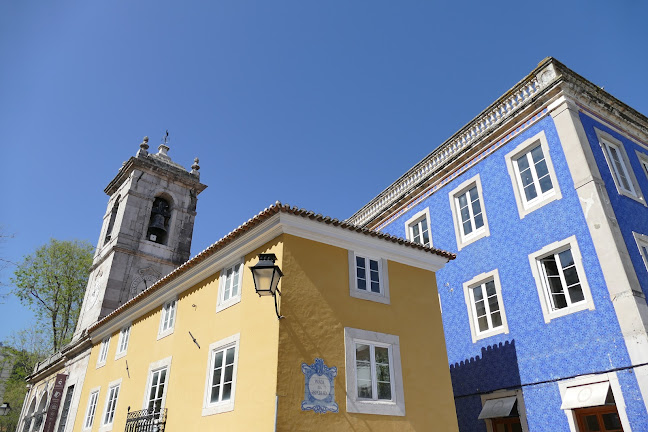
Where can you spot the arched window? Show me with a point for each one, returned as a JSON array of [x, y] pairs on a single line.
[[30, 415], [159, 222], [111, 223], [40, 412]]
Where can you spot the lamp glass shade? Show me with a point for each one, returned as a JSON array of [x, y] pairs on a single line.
[[266, 275]]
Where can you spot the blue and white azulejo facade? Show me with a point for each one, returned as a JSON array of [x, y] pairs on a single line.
[[543, 199]]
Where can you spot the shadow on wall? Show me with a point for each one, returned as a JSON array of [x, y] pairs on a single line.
[[496, 368]]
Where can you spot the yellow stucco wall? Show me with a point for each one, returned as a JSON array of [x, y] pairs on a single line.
[[254, 318], [317, 306]]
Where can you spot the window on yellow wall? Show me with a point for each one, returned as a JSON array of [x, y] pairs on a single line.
[[90, 411], [111, 404], [122, 342], [368, 279], [103, 352], [229, 286], [220, 382], [167, 318]]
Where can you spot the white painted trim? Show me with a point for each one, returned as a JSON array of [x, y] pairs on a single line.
[[94, 390], [258, 236], [153, 367], [524, 207], [611, 377], [105, 342], [383, 295], [469, 285], [555, 247], [606, 141], [164, 333], [520, 406], [643, 161], [119, 354], [220, 407], [478, 233], [396, 407], [425, 213], [105, 427], [220, 304]]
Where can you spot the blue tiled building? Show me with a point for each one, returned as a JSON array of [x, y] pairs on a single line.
[[543, 199]]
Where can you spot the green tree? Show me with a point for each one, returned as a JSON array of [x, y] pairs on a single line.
[[21, 353], [52, 283]]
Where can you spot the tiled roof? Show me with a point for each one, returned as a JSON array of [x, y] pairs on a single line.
[[247, 226]]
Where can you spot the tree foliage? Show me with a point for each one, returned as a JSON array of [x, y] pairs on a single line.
[[20, 354], [52, 283]]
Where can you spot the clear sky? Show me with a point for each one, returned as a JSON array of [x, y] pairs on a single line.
[[320, 104]]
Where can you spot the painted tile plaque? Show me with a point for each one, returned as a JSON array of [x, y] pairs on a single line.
[[319, 387]]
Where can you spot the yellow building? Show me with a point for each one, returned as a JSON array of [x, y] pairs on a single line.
[[360, 345]]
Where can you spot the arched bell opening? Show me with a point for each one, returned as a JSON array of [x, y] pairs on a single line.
[[158, 228]]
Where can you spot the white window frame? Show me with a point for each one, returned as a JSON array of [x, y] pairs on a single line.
[[164, 363], [224, 304], [470, 304], [612, 378], [122, 341], [107, 426], [383, 278], [395, 407], [519, 397], [525, 207], [90, 407], [422, 216], [162, 332], [543, 294], [103, 352], [210, 408], [479, 233], [642, 242], [643, 160], [606, 142]]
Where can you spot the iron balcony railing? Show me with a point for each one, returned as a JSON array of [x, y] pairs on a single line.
[[148, 420]]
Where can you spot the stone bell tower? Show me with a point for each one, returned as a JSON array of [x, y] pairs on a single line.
[[146, 232]]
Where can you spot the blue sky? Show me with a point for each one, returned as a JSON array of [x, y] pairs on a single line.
[[317, 104]]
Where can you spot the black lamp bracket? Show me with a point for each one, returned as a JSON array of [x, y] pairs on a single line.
[[277, 308]]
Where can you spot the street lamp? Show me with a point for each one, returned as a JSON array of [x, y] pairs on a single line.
[[266, 277], [5, 409]]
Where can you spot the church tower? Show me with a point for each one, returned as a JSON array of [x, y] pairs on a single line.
[[146, 232]]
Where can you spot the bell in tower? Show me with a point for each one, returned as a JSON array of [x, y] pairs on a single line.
[[159, 221]]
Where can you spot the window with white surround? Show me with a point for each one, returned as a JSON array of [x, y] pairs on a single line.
[[220, 383], [111, 404], [532, 174], [122, 342], [103, 352], [560, 279], [643, 160], [368, 278], [229, 286], [156, 386], [620, 167], [418, 228], [167, 318], [483, 295], [468, 212], [374, 379], [92, 408], [642, 243]]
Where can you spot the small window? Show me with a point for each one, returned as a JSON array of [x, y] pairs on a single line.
[[167, 319], [122, 343], [156, 390], [368, 278], [619, 165], [229, 287], [374, 382], [418, 228], [483, 295], [469, 213], [532, 174], [560, 279], [642, 243], [103, 352], [111, 403], [221, 376], [90, 411]]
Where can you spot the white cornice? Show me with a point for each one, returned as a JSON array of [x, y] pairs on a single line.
[[260, 235]]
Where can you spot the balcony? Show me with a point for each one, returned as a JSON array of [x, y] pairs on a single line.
[[153, 420]]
